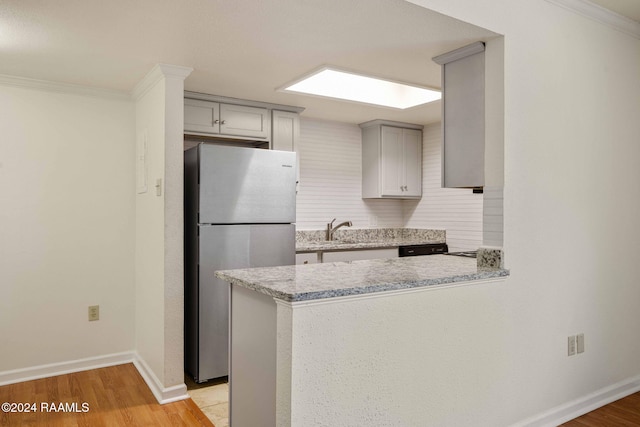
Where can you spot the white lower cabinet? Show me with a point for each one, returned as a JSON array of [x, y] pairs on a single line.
[[307, 258], [359, 255]]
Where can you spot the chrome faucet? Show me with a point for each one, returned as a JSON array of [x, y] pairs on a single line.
[[331, 229]]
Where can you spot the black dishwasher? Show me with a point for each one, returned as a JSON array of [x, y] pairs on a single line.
[[423, 249]]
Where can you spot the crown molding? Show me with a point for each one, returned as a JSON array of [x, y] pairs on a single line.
[[602, 15], [156, 74], [68, 88]]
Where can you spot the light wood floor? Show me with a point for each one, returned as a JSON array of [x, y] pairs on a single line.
[[116, 396], [621, 413]]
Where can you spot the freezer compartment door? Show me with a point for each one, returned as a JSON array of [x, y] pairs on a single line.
[[246, 185], [224, 247]]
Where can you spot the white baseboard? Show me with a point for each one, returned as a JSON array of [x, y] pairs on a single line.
[[162, 394], [568, 411], [61, 368]]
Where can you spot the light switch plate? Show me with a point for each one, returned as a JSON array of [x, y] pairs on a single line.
[[580, 343], [94, 312], [571, 345]]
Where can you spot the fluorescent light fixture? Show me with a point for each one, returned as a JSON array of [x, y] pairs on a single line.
[[349, 86]]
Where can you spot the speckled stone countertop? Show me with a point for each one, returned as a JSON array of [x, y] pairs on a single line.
[[373, 238], [318, 281]]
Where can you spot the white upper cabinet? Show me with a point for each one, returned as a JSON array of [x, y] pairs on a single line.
[[201, 116], [285, 133], [391, 160], [213, 118], [220, 117], [285, 130], [463, 116], [412, 161], [244, 121]]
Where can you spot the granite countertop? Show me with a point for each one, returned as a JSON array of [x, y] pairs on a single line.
[[353, 239], [319, 281]]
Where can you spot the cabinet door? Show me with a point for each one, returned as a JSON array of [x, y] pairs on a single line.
[[392, 176], [307, 258], [285, 130], [463, 122], [239, 120], [285, 133], [412, 156], [201, 116]]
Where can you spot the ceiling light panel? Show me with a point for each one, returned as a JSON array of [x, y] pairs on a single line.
[[344, 85]]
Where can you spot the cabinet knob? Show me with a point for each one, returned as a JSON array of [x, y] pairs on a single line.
[[222, 122], [306, 262], [216, 121]]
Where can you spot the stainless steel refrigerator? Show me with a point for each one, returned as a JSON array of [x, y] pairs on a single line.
[[239, 213]]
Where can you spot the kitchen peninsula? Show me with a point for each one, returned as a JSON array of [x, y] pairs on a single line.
[[339, 340]]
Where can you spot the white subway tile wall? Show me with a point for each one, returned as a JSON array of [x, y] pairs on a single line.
[[493, 220], [331, 187], [331, 182], [456, 210]]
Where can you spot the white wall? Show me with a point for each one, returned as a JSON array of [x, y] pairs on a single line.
[[67, 224], [159, 231], [456, 210], [571, 209], [408, 358], [571, 233], [74, 233], [149, 232]]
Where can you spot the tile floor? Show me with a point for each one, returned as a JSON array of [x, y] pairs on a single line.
[[212, 398]]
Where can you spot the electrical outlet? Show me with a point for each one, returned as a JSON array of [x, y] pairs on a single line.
[[580, 343], [94, 312], [572, 345]]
